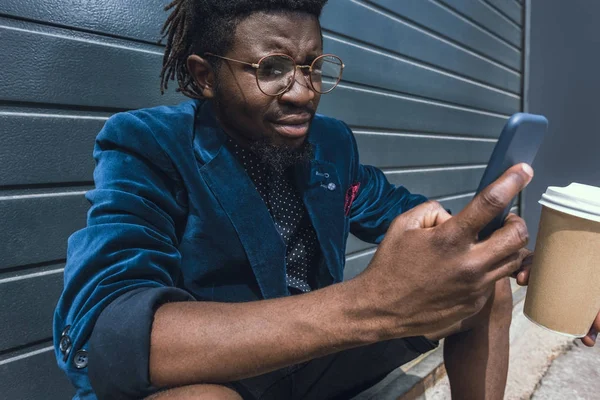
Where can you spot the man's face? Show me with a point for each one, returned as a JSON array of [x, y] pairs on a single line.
[[242, 109]]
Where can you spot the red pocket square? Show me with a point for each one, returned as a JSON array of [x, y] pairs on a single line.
[[350, 197]]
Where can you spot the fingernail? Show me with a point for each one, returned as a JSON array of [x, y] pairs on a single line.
[[528, 170]]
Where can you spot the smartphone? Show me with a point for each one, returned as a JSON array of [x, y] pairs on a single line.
[[519, 142]]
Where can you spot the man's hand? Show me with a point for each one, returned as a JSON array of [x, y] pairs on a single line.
[[431, 272], [523, 279]]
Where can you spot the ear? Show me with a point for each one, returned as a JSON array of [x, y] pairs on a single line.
[[203, 74]]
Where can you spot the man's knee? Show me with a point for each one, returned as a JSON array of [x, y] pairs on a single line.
[[197, 392], [503, 300], [498, 310]]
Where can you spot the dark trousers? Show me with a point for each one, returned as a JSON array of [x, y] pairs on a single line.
[[336, 376]]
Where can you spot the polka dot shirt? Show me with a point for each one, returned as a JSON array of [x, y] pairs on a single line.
[[289, 215]]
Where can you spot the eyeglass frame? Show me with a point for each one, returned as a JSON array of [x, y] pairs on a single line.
[[256, 66]]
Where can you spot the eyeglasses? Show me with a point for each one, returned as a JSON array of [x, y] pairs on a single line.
[[276, 73]]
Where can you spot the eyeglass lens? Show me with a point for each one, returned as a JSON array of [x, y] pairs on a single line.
[[326, 73], [276, 72]]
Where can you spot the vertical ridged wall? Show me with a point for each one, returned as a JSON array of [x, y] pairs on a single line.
[[427, 88]]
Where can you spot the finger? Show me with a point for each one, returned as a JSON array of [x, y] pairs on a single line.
[[492, 200], [590, 339], [522, 275], [506, 241], [507, 266], [426, 215]]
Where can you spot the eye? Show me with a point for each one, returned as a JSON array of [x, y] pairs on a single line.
[[275, 67], [273, 70], [317, 68]]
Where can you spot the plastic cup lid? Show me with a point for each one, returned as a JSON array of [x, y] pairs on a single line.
[[582, 201]]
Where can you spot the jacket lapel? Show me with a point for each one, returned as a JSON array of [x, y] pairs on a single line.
[[242, 203]]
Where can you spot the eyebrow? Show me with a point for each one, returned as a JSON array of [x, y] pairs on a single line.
[[275, 46], [276, 49]]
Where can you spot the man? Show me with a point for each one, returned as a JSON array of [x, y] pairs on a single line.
[[212, 263]]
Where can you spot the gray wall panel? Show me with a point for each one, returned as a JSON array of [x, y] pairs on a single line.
[[489, 18], [355, 245], [378, 29], [136, 19], [512, 9], [33, 377], [563, 85], [356, 264], [55, 66], [35, 227], [364, 107], [428, 87], [397, 150], [385, 70], [454, 27], [28, 300], [442, 182], [47, 148]]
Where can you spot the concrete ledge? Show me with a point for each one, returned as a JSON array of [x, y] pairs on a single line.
[[410, 380]]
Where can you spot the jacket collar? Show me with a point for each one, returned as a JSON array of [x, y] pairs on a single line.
[[317, 181]]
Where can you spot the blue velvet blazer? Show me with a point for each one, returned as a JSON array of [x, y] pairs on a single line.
[[174, 217]]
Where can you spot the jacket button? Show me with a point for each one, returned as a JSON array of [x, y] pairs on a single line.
[[66, 354], [65, 331], [332, 186], [64, 344], [81, 359]]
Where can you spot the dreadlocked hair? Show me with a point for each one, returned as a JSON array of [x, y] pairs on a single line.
[[201, 26]]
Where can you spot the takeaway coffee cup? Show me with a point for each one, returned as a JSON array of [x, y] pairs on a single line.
[[564, 286]]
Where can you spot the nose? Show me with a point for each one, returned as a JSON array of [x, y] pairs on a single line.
[[300, 93]]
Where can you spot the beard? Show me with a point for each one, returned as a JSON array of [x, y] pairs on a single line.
[[279, 157], [276, 156]]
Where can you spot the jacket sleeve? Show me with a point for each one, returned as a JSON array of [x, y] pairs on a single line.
[[123, 265], [378, 202]]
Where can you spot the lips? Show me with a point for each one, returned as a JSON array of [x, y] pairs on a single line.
[[296, 119], [292, 130], [294, 125]]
